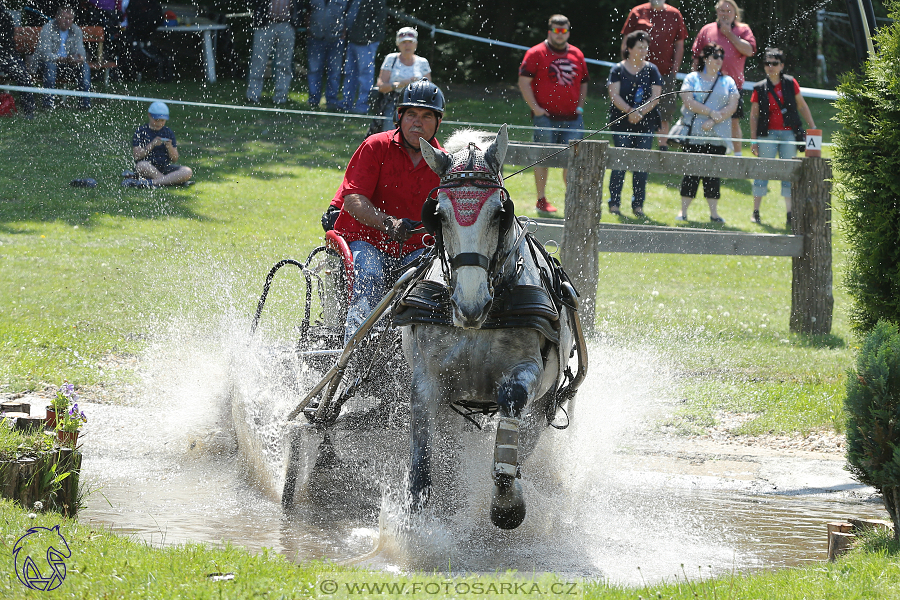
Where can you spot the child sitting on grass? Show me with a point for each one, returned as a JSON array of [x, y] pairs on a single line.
[[155, 153]]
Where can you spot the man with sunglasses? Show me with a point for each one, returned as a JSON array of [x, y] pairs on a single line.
[[553, 80]]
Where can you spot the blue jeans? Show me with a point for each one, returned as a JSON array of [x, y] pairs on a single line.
[[557, 132], [359, 75], [784, 145], [638, 179], [51, 70], [281, 36], [324, 55], [372, 269]]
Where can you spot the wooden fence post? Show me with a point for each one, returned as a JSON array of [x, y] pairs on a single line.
[[584, 200], [812, 298]]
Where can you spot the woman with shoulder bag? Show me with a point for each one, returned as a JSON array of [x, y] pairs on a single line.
[[775, 123], [633, 84], [398, 70], [709, 99]]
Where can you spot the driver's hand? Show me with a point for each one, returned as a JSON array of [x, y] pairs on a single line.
[[398, 229]]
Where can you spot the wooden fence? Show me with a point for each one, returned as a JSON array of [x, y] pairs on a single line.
[[812, 300]]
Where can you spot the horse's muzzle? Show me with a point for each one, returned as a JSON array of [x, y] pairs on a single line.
[[470, 319]]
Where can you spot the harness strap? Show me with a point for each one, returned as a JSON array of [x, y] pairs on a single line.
[[470, 259]]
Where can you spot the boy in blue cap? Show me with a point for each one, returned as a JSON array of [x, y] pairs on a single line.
[[155, 153]]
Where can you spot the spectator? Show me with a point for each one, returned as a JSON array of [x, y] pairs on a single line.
[[11, 63], [365, 30], [325, 49], [399, 69], [106, 14], [634, 83], [775, 123], [274, 23], [667, 34], [738, 41], [384, 189], [142, 18], [553, 80], [61, 48], [155, 152], [709, 99]]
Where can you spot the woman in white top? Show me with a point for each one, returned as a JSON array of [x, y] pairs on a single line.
[[399, 69], [709, 98]]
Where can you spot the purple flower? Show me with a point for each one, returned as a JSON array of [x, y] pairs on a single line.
[[83, 418]]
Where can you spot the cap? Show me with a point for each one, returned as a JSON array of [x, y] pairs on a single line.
[[407, 33], [159, 110]]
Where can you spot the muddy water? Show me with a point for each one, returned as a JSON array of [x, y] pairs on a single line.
[[604, 500]]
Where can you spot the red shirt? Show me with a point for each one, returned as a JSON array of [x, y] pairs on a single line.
[[556, 78], [776, 119], [666, 28], [733, 64], [382, 171]]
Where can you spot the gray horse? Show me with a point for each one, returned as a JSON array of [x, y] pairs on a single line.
[[490, 331]]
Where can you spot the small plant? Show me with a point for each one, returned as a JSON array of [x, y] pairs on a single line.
[[65, 396], [873, 417], [71, 420]]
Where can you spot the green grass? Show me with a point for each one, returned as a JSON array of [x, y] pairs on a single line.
[[88, 276], [104, 565]]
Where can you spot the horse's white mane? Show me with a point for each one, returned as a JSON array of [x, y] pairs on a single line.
[[461, 138]]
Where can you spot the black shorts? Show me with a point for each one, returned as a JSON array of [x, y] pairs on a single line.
[[167, 168], [739, 113]]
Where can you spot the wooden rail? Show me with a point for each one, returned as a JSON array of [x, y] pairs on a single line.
[[812, 300]]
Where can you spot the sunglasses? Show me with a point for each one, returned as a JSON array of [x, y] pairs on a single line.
[[772, 63], [717, 55], [560, 30]]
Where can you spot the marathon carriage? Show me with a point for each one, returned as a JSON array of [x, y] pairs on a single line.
[[489, 327]]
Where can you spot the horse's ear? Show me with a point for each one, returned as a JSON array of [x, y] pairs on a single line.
[[438, 160], [496, 152]]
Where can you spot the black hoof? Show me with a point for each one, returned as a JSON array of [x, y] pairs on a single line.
[[507, 503]]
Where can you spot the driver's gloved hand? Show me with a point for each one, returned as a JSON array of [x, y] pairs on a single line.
[[398, 229]]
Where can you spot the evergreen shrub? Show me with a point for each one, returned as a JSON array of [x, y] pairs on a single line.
[[873, 417], [867, 157]]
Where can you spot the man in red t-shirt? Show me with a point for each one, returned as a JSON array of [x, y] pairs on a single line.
[[384, 188], [553, 80], [667, 32]]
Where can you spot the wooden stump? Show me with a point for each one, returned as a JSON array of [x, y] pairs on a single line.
[[812, 297], [29, 479], [584, 201], [840, 540]]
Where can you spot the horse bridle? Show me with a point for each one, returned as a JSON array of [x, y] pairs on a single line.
[[494, 264]]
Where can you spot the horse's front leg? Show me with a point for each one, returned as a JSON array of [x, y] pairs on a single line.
[[508, 500], [423, 413]]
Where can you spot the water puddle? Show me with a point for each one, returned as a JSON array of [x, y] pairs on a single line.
[[600, 504]]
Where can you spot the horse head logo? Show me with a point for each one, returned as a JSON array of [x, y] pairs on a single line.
[[49, 544]]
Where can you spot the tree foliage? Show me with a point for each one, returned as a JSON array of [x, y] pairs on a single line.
[[867, 154], [873, 417]]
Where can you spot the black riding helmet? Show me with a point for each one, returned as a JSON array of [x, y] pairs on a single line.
[[422, 94]]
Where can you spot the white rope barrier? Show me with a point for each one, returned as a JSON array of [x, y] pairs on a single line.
[[310, 113]]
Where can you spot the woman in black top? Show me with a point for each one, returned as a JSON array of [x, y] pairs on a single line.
[[633, 83]]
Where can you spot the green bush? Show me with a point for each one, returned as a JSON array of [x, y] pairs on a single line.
[[873, 417], [867, 156]]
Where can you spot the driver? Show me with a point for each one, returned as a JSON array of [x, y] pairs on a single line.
[[384, 188]]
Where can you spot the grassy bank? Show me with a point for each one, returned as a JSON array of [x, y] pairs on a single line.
[[103, 565]]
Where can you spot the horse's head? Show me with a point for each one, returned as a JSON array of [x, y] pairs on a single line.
[[470, 216]]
